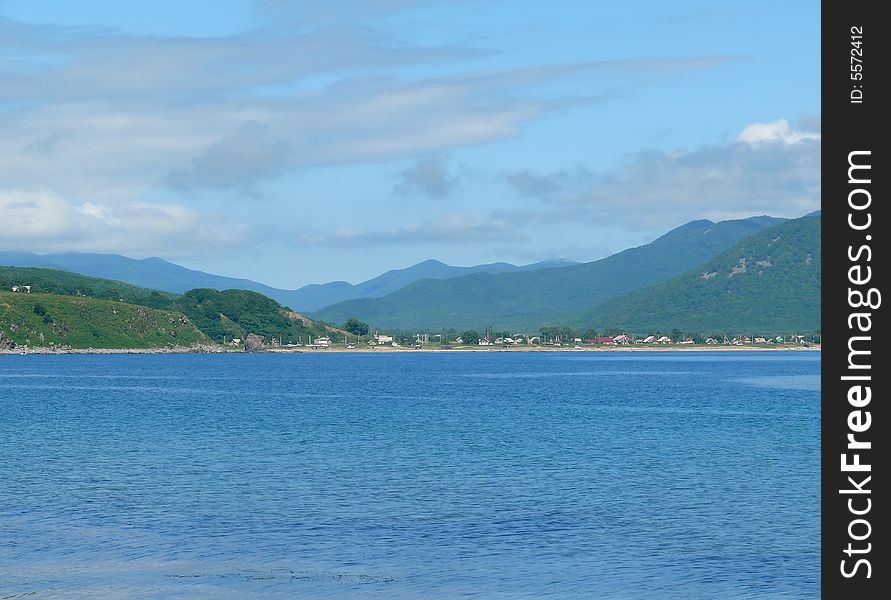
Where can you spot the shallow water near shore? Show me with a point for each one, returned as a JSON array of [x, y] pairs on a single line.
[[430, 475]]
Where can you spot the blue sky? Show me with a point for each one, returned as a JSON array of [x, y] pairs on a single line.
[[295, 142]]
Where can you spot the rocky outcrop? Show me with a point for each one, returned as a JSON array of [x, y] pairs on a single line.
[[254, 343], [199, 348], [6, 343]]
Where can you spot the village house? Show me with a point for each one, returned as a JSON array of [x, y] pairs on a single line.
[[384, 339], [485, 342], [22, 288], [323, 342], [664, 340], [605, 340]]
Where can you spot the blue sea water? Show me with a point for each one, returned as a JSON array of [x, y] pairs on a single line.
[[446, 475]]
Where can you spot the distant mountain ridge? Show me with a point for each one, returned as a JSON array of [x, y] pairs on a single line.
[[315, 296], [546, 296], [152, 273], [769, 283], [159, 274]]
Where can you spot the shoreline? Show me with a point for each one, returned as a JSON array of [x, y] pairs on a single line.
[[403, 350]]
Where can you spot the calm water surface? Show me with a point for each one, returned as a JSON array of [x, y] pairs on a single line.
[[485, 475]]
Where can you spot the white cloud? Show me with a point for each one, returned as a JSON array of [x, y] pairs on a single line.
[[95, 112], [42, 221], [451, 228], [250, 152], [775, 131], [91, 113], [772, 169], [429, 176]]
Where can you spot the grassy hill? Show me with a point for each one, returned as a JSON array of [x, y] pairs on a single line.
[[80, 322], [71, 311], [545, 296], [151, 273], [236, 313], [62, 283], [769, 283]]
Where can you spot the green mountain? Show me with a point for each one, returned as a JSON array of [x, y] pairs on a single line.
[[236, 313], [81, 311], [62, 283], [314, 297], [152, 273], [159, 274], [81, 322], [766, 284], [530, 299]]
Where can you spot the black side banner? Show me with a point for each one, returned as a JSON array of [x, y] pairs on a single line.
[[855, 170]]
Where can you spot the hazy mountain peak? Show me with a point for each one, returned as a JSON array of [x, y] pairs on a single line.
[[530, 298]]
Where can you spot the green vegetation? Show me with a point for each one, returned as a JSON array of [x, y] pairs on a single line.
[[766, 284], [356, 327], [37, 319], [769, 283], [158, 274], [470, 337], [236, 313], [59, 298], [63, 283], [526, 300]]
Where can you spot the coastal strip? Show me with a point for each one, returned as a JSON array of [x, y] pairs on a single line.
[[404, 350]]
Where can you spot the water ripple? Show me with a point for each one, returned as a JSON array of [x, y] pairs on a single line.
[[466, 475]]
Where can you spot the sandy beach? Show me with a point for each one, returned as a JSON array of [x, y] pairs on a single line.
[[404, 349]]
